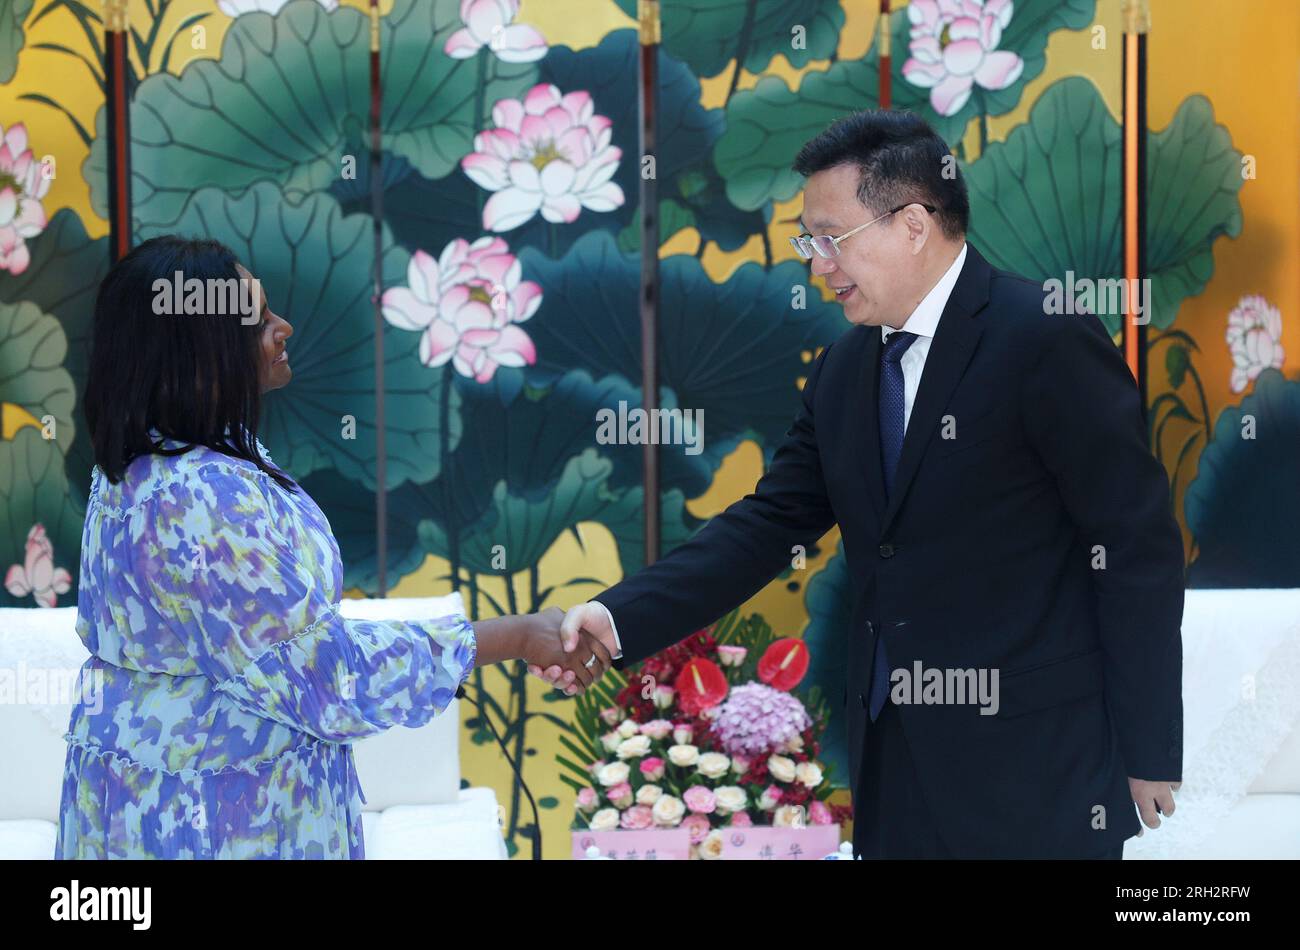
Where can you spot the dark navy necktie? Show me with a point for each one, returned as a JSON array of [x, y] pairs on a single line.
[[892, 427]]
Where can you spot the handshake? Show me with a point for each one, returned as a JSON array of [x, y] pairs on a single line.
[[570, 650]]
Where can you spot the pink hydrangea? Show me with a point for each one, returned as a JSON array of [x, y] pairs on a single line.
[[755, 718]]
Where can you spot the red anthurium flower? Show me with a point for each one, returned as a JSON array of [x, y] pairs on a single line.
[[784, 664], [701, 684]]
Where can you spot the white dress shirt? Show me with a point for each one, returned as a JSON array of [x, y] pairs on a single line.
[[924, 321]]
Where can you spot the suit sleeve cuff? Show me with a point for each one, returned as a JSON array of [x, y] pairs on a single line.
[[618, 644]]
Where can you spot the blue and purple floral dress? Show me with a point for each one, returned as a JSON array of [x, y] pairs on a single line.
[[228, 687]]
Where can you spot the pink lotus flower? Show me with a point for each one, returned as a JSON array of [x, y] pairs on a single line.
[[23, 184], [548, 153], [637, 818], [37, 575], [954, 47], [698, 826], [488, 23], [700, 800], [1255, 339], [652, 768], [467, 303]]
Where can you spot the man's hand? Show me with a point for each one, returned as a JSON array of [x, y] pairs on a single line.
[[590, 618], [1153, 799], [577, 662]]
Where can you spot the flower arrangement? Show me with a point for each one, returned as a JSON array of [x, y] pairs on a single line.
[[706, 736]]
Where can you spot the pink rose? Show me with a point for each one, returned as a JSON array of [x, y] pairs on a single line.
[[699, 800], [620, 796], [698, 826], [663, 696], [741, 819], [611, 716], [819, 813], [770, 798], [657, 729], [587, 799], [637, 818], [652, 768]]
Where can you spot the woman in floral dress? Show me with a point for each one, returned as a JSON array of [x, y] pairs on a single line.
[[225, 687]]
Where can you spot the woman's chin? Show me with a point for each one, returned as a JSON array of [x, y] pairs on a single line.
[[278, 377]]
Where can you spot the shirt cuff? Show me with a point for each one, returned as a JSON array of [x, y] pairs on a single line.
[[618, 644]]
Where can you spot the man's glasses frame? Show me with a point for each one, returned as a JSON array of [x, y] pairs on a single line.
[[826, 246]]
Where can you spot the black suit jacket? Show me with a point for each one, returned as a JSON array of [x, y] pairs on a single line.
[[1037, 542]]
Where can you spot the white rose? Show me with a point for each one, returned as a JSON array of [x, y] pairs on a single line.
[[610, 741], [808, 773], [767, 801], [788, 816], [714, 765], [794, 744], [711, 846], [648, 794], [683, 735], [663, 697], [781, 768], [683, 755], [605, 820], [668, 811], [713, 712], [612, 773], [634, 748], [729, 799], [627, 729]]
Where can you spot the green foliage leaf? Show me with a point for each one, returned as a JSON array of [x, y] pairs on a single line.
[[32, 350]]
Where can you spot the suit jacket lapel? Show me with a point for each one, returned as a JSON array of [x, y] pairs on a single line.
[[869, 444], [950, 352]]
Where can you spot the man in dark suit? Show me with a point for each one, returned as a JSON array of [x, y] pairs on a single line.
[[1003, 522]]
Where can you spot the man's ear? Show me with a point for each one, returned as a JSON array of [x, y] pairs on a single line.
[[919, 228]]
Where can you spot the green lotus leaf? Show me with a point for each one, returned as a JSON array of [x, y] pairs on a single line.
[[62, 280], [32, 350], [1046, 203], [13, 14], [734, 351], [1243, 507]]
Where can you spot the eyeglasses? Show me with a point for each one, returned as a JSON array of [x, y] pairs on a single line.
[[827, 246]]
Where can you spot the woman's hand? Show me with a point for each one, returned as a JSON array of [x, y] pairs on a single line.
[[543, 648]]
